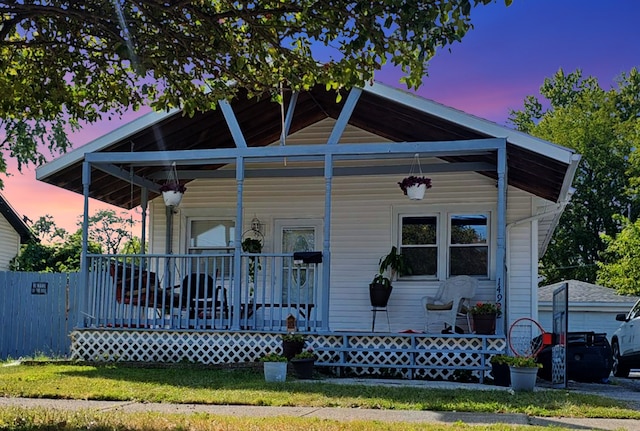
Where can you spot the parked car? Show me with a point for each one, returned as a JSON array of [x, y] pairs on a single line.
[[625, 342], [589, 358]]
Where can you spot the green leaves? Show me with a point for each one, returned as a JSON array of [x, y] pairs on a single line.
[[77, 61], [603, 127]]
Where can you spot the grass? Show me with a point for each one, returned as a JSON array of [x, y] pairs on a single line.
[[190, 384], [19, 419]]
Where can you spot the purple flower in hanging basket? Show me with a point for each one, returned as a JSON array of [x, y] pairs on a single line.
[[173, 187], [414, 181]]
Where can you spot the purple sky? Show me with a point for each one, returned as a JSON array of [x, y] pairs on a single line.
[[505, 58]]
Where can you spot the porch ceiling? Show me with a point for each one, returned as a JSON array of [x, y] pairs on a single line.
[[260, 123]]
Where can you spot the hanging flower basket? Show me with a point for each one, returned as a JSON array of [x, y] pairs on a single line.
[[172, 190], [414, 187], [172, 198], [416, 184]]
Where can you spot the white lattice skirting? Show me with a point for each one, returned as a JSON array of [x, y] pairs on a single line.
[[411, 356]]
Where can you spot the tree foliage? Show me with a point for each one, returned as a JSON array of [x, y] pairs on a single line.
[[110, 230], [61, 257], [59, 251], [621, 266], [602, 126], [67, 62]]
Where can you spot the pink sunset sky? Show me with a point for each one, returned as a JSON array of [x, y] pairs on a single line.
[[505, 58]]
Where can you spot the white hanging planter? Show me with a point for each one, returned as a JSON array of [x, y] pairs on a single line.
[[416, 192], [172, 198]]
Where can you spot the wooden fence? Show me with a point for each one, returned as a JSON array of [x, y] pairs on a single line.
[[37, 313]]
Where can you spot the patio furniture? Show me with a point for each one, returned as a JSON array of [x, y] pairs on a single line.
[[197, 293], [450, 302], [138, 286]]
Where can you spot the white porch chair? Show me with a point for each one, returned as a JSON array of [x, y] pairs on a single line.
[[450, 302]]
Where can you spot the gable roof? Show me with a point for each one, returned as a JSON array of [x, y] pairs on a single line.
[[582, 292], [18, 224], [539, 167]]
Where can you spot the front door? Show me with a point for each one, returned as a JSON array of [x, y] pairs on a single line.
[[299, 281]]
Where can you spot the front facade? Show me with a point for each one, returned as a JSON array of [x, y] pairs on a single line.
[[322, 179]]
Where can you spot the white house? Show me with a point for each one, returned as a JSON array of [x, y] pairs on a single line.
[[324, 177], [591, 307], [13, 233]]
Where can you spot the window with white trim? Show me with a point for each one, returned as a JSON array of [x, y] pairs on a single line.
[[435, 249], [210, 237], [468, 245]]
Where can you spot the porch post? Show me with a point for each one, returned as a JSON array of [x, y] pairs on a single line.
[[501, 236], [236, 283], [144, 201], [84, 260], [326, 246]]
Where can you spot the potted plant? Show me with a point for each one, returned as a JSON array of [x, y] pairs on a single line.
[[303, 364], [275, 367], [172, 193], [500, 370], [252, 245], [389, 267], [484, 316], [292, 344], [415, 186], [523, 371]]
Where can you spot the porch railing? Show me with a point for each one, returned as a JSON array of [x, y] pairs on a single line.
[[202, 292]]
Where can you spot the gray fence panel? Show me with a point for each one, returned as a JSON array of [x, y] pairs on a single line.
[[33, 321]]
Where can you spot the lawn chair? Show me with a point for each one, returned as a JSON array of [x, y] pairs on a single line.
[[450, 302]]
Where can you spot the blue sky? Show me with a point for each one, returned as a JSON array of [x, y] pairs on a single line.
[[505, 58]]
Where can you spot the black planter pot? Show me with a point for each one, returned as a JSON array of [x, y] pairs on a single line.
[[303, 368], [501, 374], [379, 294], [291, 348]]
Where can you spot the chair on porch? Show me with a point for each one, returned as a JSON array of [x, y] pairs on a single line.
[[137, 286], [450, 302], [197, 294]]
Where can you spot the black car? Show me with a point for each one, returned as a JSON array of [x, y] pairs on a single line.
[[589, 358]]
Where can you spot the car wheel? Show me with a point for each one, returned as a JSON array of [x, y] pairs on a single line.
[[619, 370]]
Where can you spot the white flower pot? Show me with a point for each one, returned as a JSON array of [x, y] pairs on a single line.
[[523, 379], [172, 198], [416, 192], [275, 371]]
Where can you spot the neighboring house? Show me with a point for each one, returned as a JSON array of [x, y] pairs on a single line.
[[591, 307], [13, 233], [330, 186]]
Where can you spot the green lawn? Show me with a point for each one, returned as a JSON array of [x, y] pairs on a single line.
[[190, 384]]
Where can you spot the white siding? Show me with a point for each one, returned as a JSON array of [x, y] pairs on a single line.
[[9, 243], [362, 229]]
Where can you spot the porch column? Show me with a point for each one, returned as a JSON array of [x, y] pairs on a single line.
[[144, 201], [326, 246], [501, 236], [236, 282], [84, 260]]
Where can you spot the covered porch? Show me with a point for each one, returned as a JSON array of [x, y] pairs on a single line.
[[332, 171]]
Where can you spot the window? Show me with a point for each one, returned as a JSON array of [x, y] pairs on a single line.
[[419, 245], [468, 245], [436, 249], [211, 237]]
